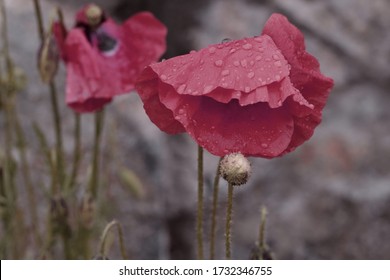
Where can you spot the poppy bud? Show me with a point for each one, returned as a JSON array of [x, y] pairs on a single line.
[[59, 216], [48, 57], [235, 169], [94, 15], [87, 211]]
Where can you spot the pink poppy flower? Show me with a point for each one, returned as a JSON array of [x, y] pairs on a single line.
[[260, 96], [103, 59]]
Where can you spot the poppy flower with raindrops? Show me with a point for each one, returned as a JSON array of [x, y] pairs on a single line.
[[260, 96]]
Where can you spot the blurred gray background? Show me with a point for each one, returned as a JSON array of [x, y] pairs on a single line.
[[329, 199]]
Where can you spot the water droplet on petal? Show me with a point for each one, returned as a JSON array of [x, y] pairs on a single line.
[[212, 50], [218, 63], [192, 52], [275, 56], [207, 89], [163, 77], [251, 75], [251, 63], [243, 63], [232, 50], [261, 49], [258, 39], [264, 145], [278, 63], [247, 89], [181, 88], [277, 77], [236, 63], [247, 46], [280, 103], [225, 72], [224, 85]]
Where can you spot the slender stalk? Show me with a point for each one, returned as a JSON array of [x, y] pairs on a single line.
[[9, 189], [76, 152], [199, 223], [58, 132], [27, 178], [228, 228], [94, 180], [214, 212], [262, 245], [46, 151], [54, 103], [103, 240], [39, 19]]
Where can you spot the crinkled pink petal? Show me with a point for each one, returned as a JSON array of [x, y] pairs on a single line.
[[253, 130], [240, 67], [158, 113], [87, 89], [305, 75]]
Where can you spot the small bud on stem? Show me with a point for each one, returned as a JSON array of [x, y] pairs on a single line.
[[235, 169]]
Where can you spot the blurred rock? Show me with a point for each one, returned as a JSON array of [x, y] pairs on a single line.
[[327, 200]]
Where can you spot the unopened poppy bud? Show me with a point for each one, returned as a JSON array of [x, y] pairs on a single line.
[[94, 14], [48, 57], [59, 216], [87, 211], [235, 169]]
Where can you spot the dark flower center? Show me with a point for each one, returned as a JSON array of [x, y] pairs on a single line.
[[105, 42]]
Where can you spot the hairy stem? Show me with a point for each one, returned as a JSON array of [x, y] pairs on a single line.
[[54, 103], [229, 212], [262, 245], [199, 223], [76, 152], [94, 180], [8, 192], [27, 179], [214, 212]]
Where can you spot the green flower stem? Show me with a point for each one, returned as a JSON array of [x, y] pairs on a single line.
[[199, 222], [46, 151], [94, 180], [214, 212], [76, 152], [28, 181], [54, 103], [38, 15], [262, 245], [58, 133], [9, 244], [228, 228]]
